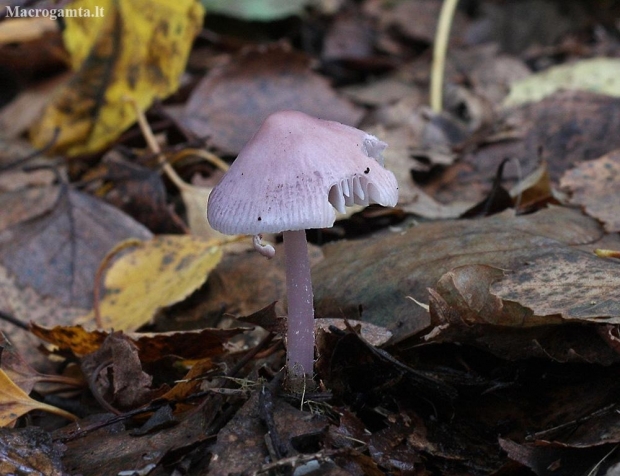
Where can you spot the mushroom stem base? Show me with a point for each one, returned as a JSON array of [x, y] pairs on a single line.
[[300, 333]]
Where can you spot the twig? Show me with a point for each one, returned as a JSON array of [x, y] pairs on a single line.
[[13, 320], [33, 154]]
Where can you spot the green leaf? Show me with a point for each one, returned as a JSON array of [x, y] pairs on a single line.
[[256, 10]]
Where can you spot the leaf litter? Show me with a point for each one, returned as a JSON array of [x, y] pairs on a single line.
[[486, 345]]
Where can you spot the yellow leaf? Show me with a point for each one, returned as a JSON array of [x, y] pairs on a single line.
[[136, 49], [597, 75], [155, 274], [14, 402]]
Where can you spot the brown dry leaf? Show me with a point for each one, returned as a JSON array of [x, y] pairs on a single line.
[[119, 378], [114, 450], [26, 305], [14, 402], [490, 71], [189, 384], [574, 284], [57, 253], [459, 317], [256, 281], [31, 451], [16, 368], [563, 130], [374, 335], [349, 38], [241, 446], [22, 373], [151, 347], [232, 101], [17, 116], [410, 262], [25, 201], [140, 192], [417, 19], [595, 185]]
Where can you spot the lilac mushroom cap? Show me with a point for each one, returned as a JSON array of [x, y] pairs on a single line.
[[294, 171], [289, 177]]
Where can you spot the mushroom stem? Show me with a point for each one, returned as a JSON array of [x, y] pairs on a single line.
[[300, 334]]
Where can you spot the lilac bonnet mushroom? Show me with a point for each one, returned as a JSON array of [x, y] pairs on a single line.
[[290, 177]]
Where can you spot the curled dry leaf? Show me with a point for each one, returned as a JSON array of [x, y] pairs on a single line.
[[151, 347], [116, 371]]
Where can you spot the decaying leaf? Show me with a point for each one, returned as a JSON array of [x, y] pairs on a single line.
[[595, 185], [114, 450], [232, 101], [136, 49], [241, 444], [572, 283], [57, 253], [563, 130], [14, 402], [151, 347], [140, 192], [410, 262], [30, 451], [22, 373], [115, 369], [152, 275]]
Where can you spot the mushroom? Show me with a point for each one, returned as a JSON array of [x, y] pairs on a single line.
[[290, 177]]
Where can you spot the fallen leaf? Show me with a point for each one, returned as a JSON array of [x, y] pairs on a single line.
[[14, 402], [22, 373], [140, 192], [595, 185], [414, 260], [58, 252], [116, 372], [241, 446], [114, 449], [572, 283], [563, 130], [136, 49], [463, 311], [152, 275], [418, 19], [596, 75], [30, 450], [256, 281], [231, 102], [190, 345]]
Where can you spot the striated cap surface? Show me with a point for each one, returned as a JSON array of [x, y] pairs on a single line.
[[294, 171]]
